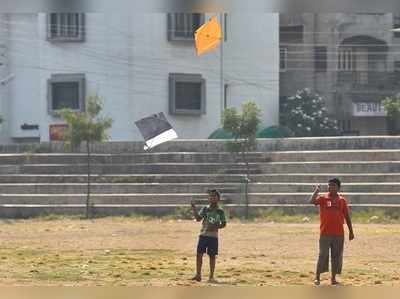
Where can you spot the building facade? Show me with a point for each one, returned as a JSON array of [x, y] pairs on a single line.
[[353, 60], [139, 65]]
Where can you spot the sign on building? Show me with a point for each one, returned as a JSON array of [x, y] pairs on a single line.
[[57, 131], [368, 109]]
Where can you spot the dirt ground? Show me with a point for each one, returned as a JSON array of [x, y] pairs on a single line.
[[126, 251]]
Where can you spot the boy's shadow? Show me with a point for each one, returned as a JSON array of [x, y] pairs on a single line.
[[219, 282]]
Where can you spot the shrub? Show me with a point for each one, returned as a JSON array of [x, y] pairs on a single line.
[[305, 115]]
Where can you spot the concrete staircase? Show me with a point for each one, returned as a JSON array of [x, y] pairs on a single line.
[[128, 181]]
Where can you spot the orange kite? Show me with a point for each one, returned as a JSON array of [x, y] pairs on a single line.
[[208, 36]]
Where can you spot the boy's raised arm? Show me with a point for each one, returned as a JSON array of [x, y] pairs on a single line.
[[195, 213], [314, 196]]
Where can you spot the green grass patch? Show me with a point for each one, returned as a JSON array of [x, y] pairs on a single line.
[[295, 215], [98, 265], [377, 215], [278, 215]]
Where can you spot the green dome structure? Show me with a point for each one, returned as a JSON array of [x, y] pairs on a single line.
[[274, 132], [220, 134]]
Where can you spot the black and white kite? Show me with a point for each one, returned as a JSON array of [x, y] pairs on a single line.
[[155, 130]]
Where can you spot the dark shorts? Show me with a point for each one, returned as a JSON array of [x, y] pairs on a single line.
[[207, 244]]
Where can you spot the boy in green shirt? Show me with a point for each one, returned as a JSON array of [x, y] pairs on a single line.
[[213, 218]]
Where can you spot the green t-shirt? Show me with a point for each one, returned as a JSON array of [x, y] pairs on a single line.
[[211, 216]]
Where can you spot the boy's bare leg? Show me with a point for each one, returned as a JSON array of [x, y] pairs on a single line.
[[333, 278], [199, 264], [212, 267], [317, 275], [317, 278]]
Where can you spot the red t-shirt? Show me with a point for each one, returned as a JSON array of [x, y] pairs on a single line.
[[332, 214]]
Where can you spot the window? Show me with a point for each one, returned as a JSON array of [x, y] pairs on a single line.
[[282, 59], [346, 60], [181, 26], [291, 34], [66, 91], [65, 27], [187, 94], [320, 59]]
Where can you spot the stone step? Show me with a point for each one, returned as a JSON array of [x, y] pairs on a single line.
[[180, 145], [119, 188], [184, 157], [181, 198], [302, 198], [214, 168], [333, 155], [158, 168], [330, 167], [164, 188], [202, 157], [116, 199], [200, 178], [283, 173], [120, 178]]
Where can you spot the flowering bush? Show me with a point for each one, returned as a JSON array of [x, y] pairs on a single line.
[[305, 114], [392, 107]]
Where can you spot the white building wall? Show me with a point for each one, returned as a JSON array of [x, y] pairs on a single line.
[[162, 57], [252, 62], [23, 45], [4, 72], [127, 61]]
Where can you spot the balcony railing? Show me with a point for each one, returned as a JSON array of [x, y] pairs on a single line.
[[369, 80]]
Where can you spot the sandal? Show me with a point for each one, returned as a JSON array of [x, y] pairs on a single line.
[[196, 278]]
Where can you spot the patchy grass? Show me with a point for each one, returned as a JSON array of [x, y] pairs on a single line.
[[281, 215], [160, 252], [277, 215], [97, 267], [288, 215], [377, 215]]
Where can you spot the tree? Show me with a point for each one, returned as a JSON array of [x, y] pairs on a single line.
[[392, 107], [305, 115], [243, 127], [86, 127]]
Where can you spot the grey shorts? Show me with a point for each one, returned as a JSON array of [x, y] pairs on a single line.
[[335, 245]]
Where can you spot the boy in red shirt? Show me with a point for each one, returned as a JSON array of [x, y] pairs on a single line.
[[333, 212]]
